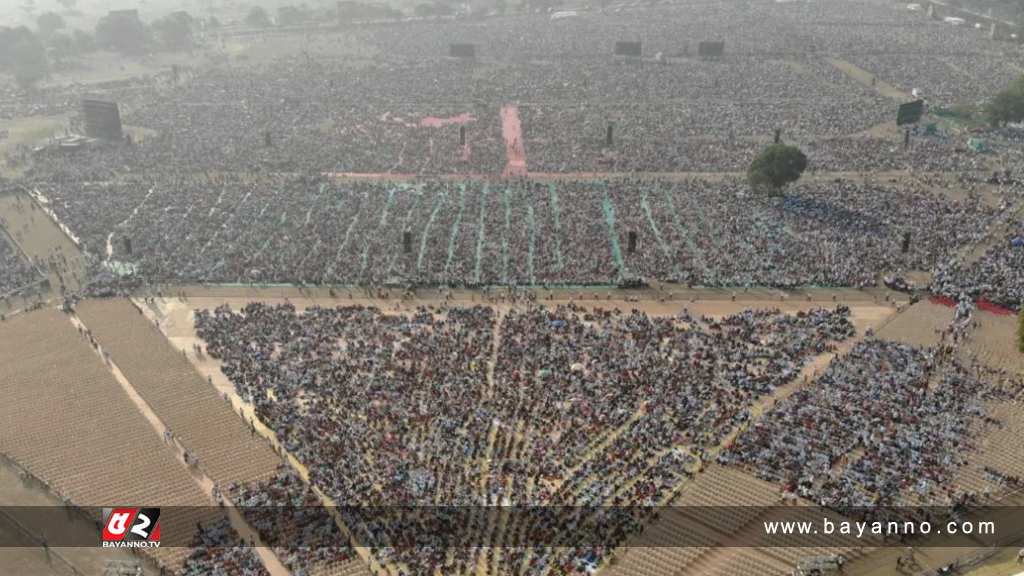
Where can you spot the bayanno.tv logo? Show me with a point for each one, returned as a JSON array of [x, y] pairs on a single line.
[[131, 528]]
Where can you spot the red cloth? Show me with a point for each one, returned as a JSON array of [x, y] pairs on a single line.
[[988, 306]]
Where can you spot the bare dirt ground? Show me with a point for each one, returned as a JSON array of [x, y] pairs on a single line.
[[864, 77], [993, 341], [919, 324], [201, 479], [40, 238], [1004, 563]]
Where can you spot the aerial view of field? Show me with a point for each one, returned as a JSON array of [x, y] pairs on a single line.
[[654, 288]]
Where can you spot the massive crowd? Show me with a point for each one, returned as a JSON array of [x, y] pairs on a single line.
[[997, 276], [426, 408], [229, 186], [299, 230], [373, 103], [561, 406], [219, 550], [15, 271], [887, 425], [290, 518]]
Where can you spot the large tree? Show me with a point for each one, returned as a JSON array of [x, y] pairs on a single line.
[[30, 63], [174, 31], [775, 167], [122, 33], [62, 47], [257, 17], [1007, 105], [292, 15], [84, 42], [23, 55], [49, 22]]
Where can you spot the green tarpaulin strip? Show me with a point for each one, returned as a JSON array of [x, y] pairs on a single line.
[[533, 242], [363, 258], [440, 201], [609, 218], [504, 239], [454, 235], [480, 233]]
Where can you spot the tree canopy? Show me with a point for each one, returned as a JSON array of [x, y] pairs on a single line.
[[62, 47], [23, 55], [293, 15], [775, 167], [257, 17], [122, 33], [1007, 105], [174, 31], [49, 22], [84, 42]]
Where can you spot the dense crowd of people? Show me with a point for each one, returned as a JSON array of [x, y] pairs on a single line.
[[290, 518], [887, 424], [565, 408], [426, 408], [299, 230], [217, 549], [229, 184], [401, 101], [16, 272], [997, 276]]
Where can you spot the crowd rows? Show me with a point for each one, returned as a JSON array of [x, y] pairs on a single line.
[[997, 276], [219, 550], [290, 518], [374, 104], [277, 229], [887, 424], [15, 271], [426, 408]]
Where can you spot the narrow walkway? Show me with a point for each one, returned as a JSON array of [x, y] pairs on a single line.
[[512, 131], [862, 76]]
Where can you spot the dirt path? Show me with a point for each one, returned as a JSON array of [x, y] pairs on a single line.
[[862, 76]]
